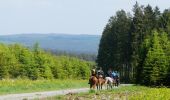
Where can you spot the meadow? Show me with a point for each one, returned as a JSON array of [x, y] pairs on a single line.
[[122, 93], [27, 86]]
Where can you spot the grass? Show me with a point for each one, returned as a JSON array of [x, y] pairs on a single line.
[[122, 93], [26, 86]]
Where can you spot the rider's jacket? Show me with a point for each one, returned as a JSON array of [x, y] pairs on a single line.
[[113, 74], [100, 72]]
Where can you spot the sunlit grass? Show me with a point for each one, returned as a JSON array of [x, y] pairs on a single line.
[[23, 86], [122, 93]]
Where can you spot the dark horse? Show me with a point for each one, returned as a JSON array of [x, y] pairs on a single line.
[[117, 81]]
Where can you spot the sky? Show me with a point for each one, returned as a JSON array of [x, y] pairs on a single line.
[[63, 16]]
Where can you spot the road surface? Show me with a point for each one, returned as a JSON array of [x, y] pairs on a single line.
[[40, 95]]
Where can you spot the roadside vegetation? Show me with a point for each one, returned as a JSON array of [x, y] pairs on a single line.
[[17, 61], [25, 69], [26, 85], [122, 93]]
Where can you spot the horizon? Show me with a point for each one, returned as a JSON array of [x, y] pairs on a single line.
[[62, 16], [50, 34]]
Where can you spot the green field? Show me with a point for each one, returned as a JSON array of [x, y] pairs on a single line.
[[25, 86], [122, 93]]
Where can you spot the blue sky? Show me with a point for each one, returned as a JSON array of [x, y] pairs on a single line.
[[63, 16]]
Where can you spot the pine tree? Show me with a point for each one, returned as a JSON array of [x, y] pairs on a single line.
[[155, 63], [137, 37], [165, 44], [115, 49]]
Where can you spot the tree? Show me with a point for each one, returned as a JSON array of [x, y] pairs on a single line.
[[155, 65], [114, 48], [165, 44], [137, 37]]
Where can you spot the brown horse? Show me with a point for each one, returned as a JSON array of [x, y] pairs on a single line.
[[101, 82], [93, 79], [93, 82]]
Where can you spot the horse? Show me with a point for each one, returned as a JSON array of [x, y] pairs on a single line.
[[110, 82], [117, 81], [93, 82], [93, 79], [101, 82]]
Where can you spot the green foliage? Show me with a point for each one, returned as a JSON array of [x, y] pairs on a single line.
[[122, 93], [114, 48], [11, 86], [18, 61], [83, 56], [129, 45], [155, 65]]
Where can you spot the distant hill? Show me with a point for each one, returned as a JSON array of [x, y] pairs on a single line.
[[61, 42]]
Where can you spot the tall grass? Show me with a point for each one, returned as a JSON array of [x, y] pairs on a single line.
[[152, 94], [23, 86]]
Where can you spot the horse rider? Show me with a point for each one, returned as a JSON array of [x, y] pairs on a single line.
[[93, 73], [109, 72], [100, 73], [117, 74], [114, 74]]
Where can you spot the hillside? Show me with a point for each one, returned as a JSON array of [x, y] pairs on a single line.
[[62, 42]]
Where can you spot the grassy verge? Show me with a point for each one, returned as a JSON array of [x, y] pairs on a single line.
[[25, 86], [122, 93]]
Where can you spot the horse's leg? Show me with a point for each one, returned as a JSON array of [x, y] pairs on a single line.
[[95, 86], [111, 85], [90, 86], [99, 86], [117, 83]]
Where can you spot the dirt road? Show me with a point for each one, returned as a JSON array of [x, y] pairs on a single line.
[[39, 95]]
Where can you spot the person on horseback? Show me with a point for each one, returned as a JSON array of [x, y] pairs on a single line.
[[113, 74], [93, 73], [100, 73], [109, 72]]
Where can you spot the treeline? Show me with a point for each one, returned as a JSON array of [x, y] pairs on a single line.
[[138, 45], [17, 61], [83, 56]]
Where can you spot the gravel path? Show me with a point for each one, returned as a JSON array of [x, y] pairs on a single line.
[[39, 95]]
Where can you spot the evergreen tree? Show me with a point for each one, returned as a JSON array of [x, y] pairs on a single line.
[[137, 37], [155, 64]]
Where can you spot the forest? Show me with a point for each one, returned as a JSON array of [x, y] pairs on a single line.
[[19, 62], [83, 56], [138, 46]]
